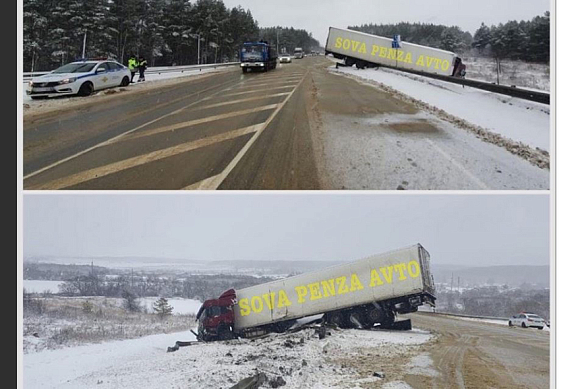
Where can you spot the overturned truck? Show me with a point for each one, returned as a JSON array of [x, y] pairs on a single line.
[[360, 294], [367, 50]]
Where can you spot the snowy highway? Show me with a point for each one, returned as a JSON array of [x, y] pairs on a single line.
[[304, 125]]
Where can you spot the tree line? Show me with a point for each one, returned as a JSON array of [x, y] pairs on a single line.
[[518, 40], [524, 40], [288, 38], [164, 32]]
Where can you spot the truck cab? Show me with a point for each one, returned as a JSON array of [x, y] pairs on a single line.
[[215, 318], [257, 56]]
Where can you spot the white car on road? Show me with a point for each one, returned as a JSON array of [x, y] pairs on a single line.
[[285, 58], [82, 78], [526, 319]]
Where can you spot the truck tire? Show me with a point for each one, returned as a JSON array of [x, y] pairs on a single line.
[[360, 64], [348, 61], [225, 333], [335, 318], [375, 315], [355, 319]]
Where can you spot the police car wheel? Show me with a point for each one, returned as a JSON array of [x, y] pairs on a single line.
[[86, 89], [125, 81]]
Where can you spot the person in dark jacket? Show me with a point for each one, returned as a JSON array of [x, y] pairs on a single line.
[[142, 67], [132, 65]]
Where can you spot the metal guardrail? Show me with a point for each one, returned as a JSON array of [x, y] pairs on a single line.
[[522, 93], [154, 70], [467, 316]]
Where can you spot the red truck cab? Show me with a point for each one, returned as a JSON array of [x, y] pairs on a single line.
[[216, 318]]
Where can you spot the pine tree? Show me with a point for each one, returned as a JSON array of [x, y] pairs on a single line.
[[162, 308]]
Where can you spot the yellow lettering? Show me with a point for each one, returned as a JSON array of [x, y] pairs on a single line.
[[387, 274], [363, 48], [342, 288], [338, 43], [283, 300], [355, 283], [445, 65], [328, 288], [409, 58], [400, 268], [400, 55], [375, 50], [244, 307], [257, 307], [315, 291], [355, 44], [346, 44], [301, 291], [392, 54], [429, 61], [383, 53], [269, 299], [437, 63], [420, 61], [375, 279], [414, 269]]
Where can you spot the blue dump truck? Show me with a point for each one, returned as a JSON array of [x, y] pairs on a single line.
[[258, 56]]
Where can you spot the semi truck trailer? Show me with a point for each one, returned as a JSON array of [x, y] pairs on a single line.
[[258, 56], [361, 294], [367, 50]]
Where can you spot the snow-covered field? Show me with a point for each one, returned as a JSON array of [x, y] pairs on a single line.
[[41, 286], [521, 74], [512, 118], [344, 359], [180, 306]]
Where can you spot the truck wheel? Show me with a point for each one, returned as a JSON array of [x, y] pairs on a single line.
[[349, 61], [375, 315], [360, 65], [334, 318], [355, 319], [225, 333]]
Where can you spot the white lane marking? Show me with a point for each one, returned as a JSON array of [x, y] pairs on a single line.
[[241, 100], [214, 182], [115, 167], [115, 138], [473, 178], [208, 119], [196, 186], [273, 83], [257, 90]]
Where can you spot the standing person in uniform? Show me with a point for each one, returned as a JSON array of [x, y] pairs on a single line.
[[132, 65], [142, 67]]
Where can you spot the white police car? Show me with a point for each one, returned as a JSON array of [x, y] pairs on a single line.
[[81, 77]]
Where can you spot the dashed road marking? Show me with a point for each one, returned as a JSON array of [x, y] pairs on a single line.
[[115, 167], [257, 90], [241, 100], [208, 119], [214, 182], [118, 137]]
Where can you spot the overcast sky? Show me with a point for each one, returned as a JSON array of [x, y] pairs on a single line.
[[317, 15], [456, 229]]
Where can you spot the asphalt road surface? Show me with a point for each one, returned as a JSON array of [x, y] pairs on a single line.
[[471, 354], [296, 127]]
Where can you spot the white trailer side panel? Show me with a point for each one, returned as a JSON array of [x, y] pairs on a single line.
[[377, 49], [394, 274]]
